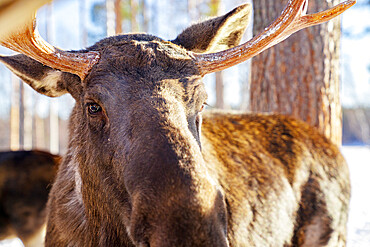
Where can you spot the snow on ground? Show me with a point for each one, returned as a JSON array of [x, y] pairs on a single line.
[[11, 243], [358, 158]]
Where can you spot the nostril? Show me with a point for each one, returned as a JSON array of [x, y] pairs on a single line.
[[146, 244]]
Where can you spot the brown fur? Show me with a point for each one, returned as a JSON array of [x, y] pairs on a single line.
[[288, 163], [145, 171], [25, 182]]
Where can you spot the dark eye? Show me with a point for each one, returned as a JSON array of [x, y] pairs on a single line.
[[93, 108]]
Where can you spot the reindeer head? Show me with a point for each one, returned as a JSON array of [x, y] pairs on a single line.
[[135, 129]]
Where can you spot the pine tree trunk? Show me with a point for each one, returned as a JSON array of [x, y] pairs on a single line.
[[27, 140], [14, 115], [219, 81], [117, 9], [300, 76]]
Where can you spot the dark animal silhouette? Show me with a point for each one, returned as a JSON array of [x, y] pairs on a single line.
[[142, 169], [25, 181]]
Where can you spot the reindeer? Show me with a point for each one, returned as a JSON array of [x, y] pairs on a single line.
[[25, 182], [145, 167]]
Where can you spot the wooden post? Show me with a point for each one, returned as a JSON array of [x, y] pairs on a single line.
[[40, 142], [219, 81], [28, 119], [54, 127], [21, 115], [14, 115], [118, 15]]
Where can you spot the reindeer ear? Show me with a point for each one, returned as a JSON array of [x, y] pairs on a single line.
[[43, 79], [216, 34]]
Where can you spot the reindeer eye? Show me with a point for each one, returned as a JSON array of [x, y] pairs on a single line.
[[94, 108]]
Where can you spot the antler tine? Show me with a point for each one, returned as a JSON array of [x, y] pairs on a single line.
[[28, 42], [291, 20]]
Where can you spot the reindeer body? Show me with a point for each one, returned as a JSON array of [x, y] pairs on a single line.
[[278, 176], [143, 170]]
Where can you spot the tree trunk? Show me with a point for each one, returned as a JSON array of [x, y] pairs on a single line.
[[117, 9], [300, 76], [14, 115], [219, 81], [27, 126]]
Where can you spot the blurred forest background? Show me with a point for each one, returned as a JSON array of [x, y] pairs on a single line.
[[32, 121]]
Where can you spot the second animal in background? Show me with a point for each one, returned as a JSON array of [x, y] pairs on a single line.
[[26, 178]]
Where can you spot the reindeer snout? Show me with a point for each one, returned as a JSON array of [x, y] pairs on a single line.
[[176, 222]]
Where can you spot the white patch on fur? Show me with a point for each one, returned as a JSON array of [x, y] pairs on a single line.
[[51, 78], [77, 178], [78, 183], [49, 82], [273, 210]]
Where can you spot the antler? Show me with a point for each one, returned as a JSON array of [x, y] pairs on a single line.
[[28, 42], [14, 13], [291, 20]]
